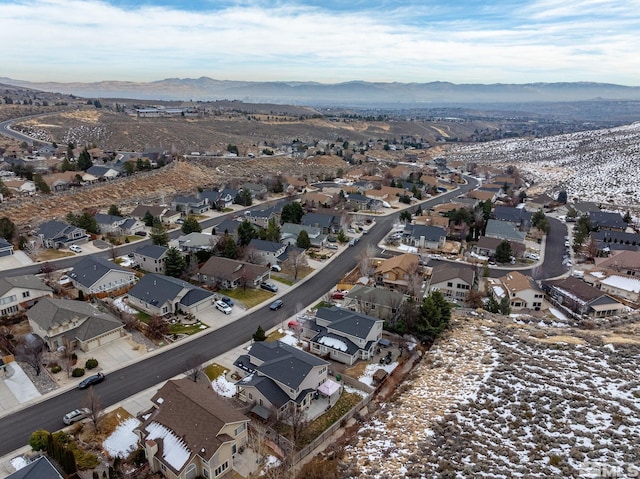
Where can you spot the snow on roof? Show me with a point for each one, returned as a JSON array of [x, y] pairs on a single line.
[[498, 291], [175, 451], [333, 343], [160, 400], [597, 274], [622, 282], [407, 248]]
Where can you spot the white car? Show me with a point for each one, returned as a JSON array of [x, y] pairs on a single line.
[[75, 248], [76, 415], [224, 307], [276, 267]]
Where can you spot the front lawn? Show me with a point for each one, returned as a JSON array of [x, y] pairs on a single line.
[[179, 328], [51, 254], [250, 298], [282, 280], [214, 371]]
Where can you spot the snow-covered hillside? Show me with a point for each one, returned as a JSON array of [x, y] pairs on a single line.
[[597, 165]]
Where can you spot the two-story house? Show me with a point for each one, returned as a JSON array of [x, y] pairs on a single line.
[[190, 205], [397, 272], [289, 233], [328, 223], [454, 282], [381, 303], [83, 325], [228, 273], [96, 275], [519, 289], [19, 293], [278, 374], [423, 236], [191, 432], [58, 234], [344, 335], [269, 252], [581, 299], [151, 258], [164, 214]]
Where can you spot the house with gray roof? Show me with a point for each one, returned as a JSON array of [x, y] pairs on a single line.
[[424, 236], [164, 214], [269, 252], [519, 216], [190, 205], [117, 224], [85, 326], [255, 189], [504, 230], [194, 242], [262, 216], [151, 258], [228, 273], [40, 468], [381, 303], [58, 234], [6, 248], [276, 374], [221, 199], [191, 432], [344, 335], [328, 223], [160, 295], [19, 293], [606, 220], [289, 233], [227, 226], [96, 275], [97, 172]]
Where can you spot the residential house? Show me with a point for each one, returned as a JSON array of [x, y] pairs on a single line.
[[164, 214], [454, 282], [607, 240], [482, 195], [58, 321], [584, 207], [160, 295], [397, 272], [269, 252], [518, 289], [626, 262], [605, 220], [328, 223], [518, 216], [39, 468], [429, 219], [344, 335], [61, 181], [111, 223], [540, 202], [6, 248], [19, 293], [422, 236], [359, 201], [278, 374], [289, 233], [190, 205], [96, 275], [315, 199], [486, 246], [21, 187], [381, 303], [261, 217], [151, 258], [99, 173], [225, 273], [227, 227], [194, 242], [621, 286], [58, 234], [256, 190], [293, 184], [504, 230], [190, 431], [220, 199], [389, 194], [581, 299]]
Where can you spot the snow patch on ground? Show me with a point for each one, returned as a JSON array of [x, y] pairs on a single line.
[[223, 387], [370, 370], [19, 462], [122, 306], [123, 440]]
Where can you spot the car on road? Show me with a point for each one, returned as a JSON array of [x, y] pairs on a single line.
[[224, 307], [91, 380], [76, 415], [277, 304], [269, 287], [75, 248], [141, 233], [353, 241]]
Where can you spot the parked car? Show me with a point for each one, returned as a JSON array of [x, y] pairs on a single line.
[[277, 304], [227, 300], [269, 287], [75, 248], [353, 241], [180, 221], [76, 415], [224, 307], [276, 267], [338, 295], [332, 246], [141, 233], [91, 380]]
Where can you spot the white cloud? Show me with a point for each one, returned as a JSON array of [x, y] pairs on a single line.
[[89, 40]]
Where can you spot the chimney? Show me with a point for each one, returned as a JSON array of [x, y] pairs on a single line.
[[151, 448]]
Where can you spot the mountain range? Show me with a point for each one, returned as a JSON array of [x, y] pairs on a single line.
[[356, 93]]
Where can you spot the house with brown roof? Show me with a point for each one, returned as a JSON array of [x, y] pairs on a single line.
[[624, 261], [486, 246], [61, 181], [228, 273], [191, 432], [291, 183], [389, 194], [454, 282], [519, 289], [430, 219], [581, 299], [482, 195], [315, 199], [397, 271]]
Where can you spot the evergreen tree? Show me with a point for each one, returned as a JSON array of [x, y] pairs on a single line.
[[174, 262], [84, 160], [246, 232], [7, 228], [272, 232], [303, 240], [292, 213], [503, 252], [259, 335], [505, 307], [114, 211], [42, 185], [148, 218], [191, 225], [230, 249], [243, 198], [159, 233]]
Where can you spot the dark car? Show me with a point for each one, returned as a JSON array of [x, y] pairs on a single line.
[[277, 304], [91, 380], [228, 300], [141, 233], [269, 287]]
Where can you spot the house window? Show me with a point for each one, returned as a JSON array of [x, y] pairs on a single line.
[[250, 397], [239, 429], [26, 294], [221, 468], [163, 467], [449, 285]]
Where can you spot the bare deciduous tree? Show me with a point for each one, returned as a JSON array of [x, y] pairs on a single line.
[[93, 404], [193, 367], [296, 261], [31, 350], [157, 327], [365, 261]]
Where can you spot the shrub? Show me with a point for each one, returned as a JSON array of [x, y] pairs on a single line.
[[77, 372], [56, 368], [74, 356], [91, 363], [38, 440]]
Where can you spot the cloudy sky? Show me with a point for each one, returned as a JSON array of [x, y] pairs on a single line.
[[328, 41]]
